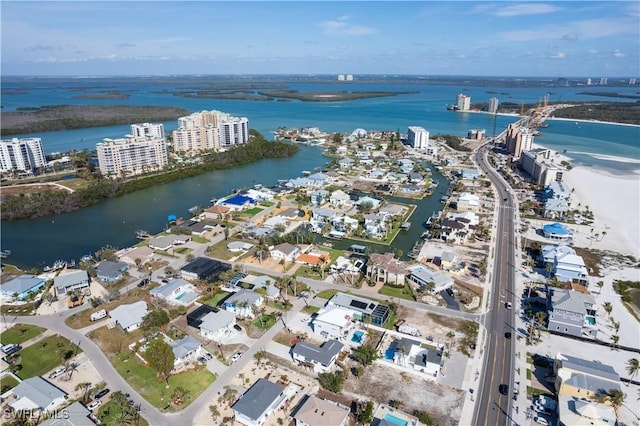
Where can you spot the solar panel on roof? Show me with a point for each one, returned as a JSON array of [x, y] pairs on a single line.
[[372, 305], [358, 304]]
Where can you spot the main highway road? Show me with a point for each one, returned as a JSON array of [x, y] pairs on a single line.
[[495, 391]]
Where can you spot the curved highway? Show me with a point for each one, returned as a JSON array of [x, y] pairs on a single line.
[[493, 406]]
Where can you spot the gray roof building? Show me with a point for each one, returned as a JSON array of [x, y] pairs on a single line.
[[38, 391], [110, 271], [129, 317], [184, 346], [324, 354], [259, 400], [22, 284], [366, 308], [74, 415], [72, 281], [249, 296]]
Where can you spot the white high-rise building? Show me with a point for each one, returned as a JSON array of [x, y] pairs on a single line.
[[527, 139], [604, 81], [21, 154], [131, 155], [209, 130], [340, 77], [349, 77], [493, 105], [588, 82], [418, 137], [463, 102], [155, 130]]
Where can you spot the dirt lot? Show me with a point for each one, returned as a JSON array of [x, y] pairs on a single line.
[[429, 324], [442, 402]]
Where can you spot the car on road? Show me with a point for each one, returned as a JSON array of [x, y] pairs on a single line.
[[503, 389], [541, 420], [236, 357], [165, 281], [95, 404], [237, 327], [57, 372], [507, 335], [508, 305], [101, 393]]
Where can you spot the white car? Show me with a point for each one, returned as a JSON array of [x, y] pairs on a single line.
[[95, 404], [541, 420], [236, 357], [57, 372]]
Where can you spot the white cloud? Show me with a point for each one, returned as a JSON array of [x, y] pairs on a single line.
[[525, 9], [618, 54], [593, 52], [340, 27], [558, 55], [569, 37]]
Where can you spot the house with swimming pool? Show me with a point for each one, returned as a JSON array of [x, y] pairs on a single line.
[[364, 310], [176, 292], [415, 355]]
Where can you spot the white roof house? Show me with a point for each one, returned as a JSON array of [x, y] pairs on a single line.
[[217, 324], [35, 393], [333, 322], [242, 303], [129, 317], [467, 201], [285, 251]]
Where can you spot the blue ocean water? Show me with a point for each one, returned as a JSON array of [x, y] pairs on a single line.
[[424, 106]]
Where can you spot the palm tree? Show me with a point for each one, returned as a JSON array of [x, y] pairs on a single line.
[[215, 412], [633, 366], [614, 341], [616, 398], [608, 307]]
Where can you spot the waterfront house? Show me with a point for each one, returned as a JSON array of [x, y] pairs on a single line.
[[584, 379], [141, 254], [314, 411], [570, 268], [237, 202], [130, 316], [20, 287], [176, 292], [454, 231], [351, 265], [318, 179], [385, 268], [571, 312], [243, 303], [322, 357], [470, 219], [582, 411], [76, 280], [162, 243], [260, 194], [200, 228], [468, 202], [285, 251], [35, 394], [185, 350], [557, 231], [110, 271], [436, 281], [374, 203], [391, 210], [258, 402], [346, 224], [375, 225], [215, 212], [345, 163]]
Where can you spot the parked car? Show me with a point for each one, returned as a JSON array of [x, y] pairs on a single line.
[[508, 305], [101, 393], [236, 357], [202, 360], [208, 356], [11, 348], [237, 327], [57, 372], [541, 420], [95, 404]]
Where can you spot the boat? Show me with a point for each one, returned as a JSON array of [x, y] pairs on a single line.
[[327, 244], [415, 250], [58, 264], [4, 254], [142, 234], [405, 226]]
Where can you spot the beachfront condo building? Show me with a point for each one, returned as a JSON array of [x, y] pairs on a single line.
[[536, 163], [418, 137], [463, 102], [209, 130], [24, 155], [131, 155], [155, 130], [493, 105], [519, 139]]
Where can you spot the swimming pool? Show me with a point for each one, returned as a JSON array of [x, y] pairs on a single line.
[[181, 295], [357, 336], [389, 354], [395, 420]]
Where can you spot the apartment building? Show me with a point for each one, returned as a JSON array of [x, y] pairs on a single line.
[[418, 137], [131, 155], [21, 154], [209, 130], [493, 105], [155, 130], [463, 102], [519, 140]]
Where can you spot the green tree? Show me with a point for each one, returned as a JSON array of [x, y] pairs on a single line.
[[366, 416], [180, 396], [365, 354], [332, 382], [155, 319], [633, 366], [616, 398], [424, 418], [608, 307], [107, 253], [215, 412], [160, 357]]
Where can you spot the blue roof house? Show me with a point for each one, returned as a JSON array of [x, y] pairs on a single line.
[[556, 231], [237, 202], [110, 271], [20, 287]]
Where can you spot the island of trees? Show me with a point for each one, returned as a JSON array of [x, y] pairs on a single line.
[[48, 201]]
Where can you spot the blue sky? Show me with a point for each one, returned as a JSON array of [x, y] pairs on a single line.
[[557, 39]]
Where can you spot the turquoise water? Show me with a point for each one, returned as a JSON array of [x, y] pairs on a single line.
[[389, 354], [181, 295], [395, 420], [357, 336]]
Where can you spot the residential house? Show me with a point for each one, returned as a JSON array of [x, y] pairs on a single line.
[[339, 198], [275, 222], [260, 194], [412, 354], [239, 246], [237, 202], [374, 203], [345, 163], [203, 268], [110, 271], [365, 310], [76, 280], [582, 411], [387, 269], [75, 414], [470, 174], [262, 284], [20, 287], [455, 231], [216, 212], [416, 178], [571, 312], [318, 179], [213, 323], [570, 268], [447, 260], [285, 251], [243, 303], [319, 197], [314, 411], [436, 281], [555, 208], [584, 379], [375, 225], [345, 224], [557, 231], [313, 259], [130, 316], [549, 252], [391, 210], [257, 403], [321, 358], [176, 292], [200, 228], [185, 350], [333, 322], [132, 256], [166, 242], [470, 219], [322, 215], [36, 394], [351, 265], [468, 202]]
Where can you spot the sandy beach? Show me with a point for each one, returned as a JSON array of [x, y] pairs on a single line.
[[614, 201]]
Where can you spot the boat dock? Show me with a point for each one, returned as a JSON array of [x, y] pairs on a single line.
[[142, 235]]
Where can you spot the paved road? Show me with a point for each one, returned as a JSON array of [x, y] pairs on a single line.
[[492, 406]]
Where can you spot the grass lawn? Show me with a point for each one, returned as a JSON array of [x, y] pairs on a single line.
[[7, 382], [310, 309], [109, 412], [20, 333], [327, 294], [277, 305], [252, 212], [20, 310], [43, 356], [216, 298], [219, 251], [398, 292], [144, 380], [182, 250], [198, 239], [265, 321], [267, 204]]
